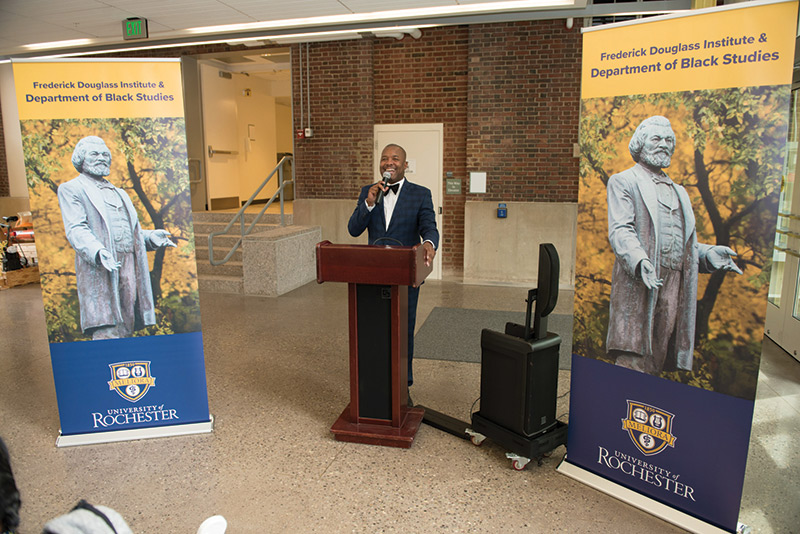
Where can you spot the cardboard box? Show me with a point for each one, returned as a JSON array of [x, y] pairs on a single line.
[[20, 277]]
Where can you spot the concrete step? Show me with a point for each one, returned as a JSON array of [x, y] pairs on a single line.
[[229, 277], [224, 240], [207, 227], [220, 284], [229, 268], [201, 251], [222, 245], [225, 217]]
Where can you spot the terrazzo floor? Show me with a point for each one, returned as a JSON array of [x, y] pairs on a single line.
[[278, 378]]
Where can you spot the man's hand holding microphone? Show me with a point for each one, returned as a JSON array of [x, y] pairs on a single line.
[[376, 192]]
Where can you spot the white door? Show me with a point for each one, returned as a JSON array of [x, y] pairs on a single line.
[[220, 132], [783, 306], [423, 145]]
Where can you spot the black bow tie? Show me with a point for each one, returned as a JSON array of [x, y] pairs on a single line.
[[393, 188]]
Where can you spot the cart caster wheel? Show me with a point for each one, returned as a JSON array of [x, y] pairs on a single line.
[[475, 437], [517, 462]]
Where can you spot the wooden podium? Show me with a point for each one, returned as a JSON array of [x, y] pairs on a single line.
[[378, 278]]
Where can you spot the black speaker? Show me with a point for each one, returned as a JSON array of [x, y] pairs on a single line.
[[519, 381]]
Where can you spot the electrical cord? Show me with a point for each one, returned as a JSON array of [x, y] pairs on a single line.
[[566, 413], [473, 407]]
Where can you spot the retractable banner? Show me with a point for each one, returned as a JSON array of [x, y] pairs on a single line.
[[684, 120], [105, 156]]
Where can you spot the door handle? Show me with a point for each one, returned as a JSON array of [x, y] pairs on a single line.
[[211, 152]]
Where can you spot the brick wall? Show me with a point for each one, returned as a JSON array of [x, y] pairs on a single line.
[[337, 160], [357, 84], [507, 94], [524, 103], [425, 81]]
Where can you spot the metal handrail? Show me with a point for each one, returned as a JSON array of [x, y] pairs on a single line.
[[240, 214], [787, 232], [789, 215], [788, 251]]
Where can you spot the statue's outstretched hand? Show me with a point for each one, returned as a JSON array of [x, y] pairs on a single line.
[[160, 238], [721, 258], [648, 274], [107, 260]]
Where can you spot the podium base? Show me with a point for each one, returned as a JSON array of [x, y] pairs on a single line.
[[344, 429]]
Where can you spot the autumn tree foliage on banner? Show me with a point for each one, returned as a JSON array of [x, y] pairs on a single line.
[[729, 157], [149, 162]]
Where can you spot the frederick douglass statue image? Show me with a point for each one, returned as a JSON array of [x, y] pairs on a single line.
[[652, 231], [111, 266]]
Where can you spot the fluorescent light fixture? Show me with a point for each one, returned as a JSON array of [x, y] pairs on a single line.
[[399, 34], [494, 7], [246, 42], [57, 44], [75, 54], [280, 39], [315, 37], [342, 34], [378, 16]]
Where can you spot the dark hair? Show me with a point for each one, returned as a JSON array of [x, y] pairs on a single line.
[[403, 150]]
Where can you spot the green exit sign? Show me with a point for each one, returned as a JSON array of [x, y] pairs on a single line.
[[135, 28]]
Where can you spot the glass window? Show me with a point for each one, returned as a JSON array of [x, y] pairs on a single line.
[[785, 206]]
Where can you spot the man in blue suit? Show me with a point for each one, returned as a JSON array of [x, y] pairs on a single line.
[[404, 217]]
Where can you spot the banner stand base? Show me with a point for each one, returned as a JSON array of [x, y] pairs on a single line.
[[94, 438], [653, 507]]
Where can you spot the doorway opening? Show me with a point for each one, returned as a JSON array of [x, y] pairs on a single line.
[[238, 125]]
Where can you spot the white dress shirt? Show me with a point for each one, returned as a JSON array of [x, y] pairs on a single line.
[[389, 201]]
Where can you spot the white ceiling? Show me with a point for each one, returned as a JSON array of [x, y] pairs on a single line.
[[273, 65], [25, 22]]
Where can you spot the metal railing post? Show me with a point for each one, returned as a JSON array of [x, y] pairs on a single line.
[[280, 188]]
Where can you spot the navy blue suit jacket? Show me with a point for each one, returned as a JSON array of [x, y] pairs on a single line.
[[413, 219]]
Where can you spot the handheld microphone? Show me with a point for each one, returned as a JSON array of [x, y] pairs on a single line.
[[385, 177]]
